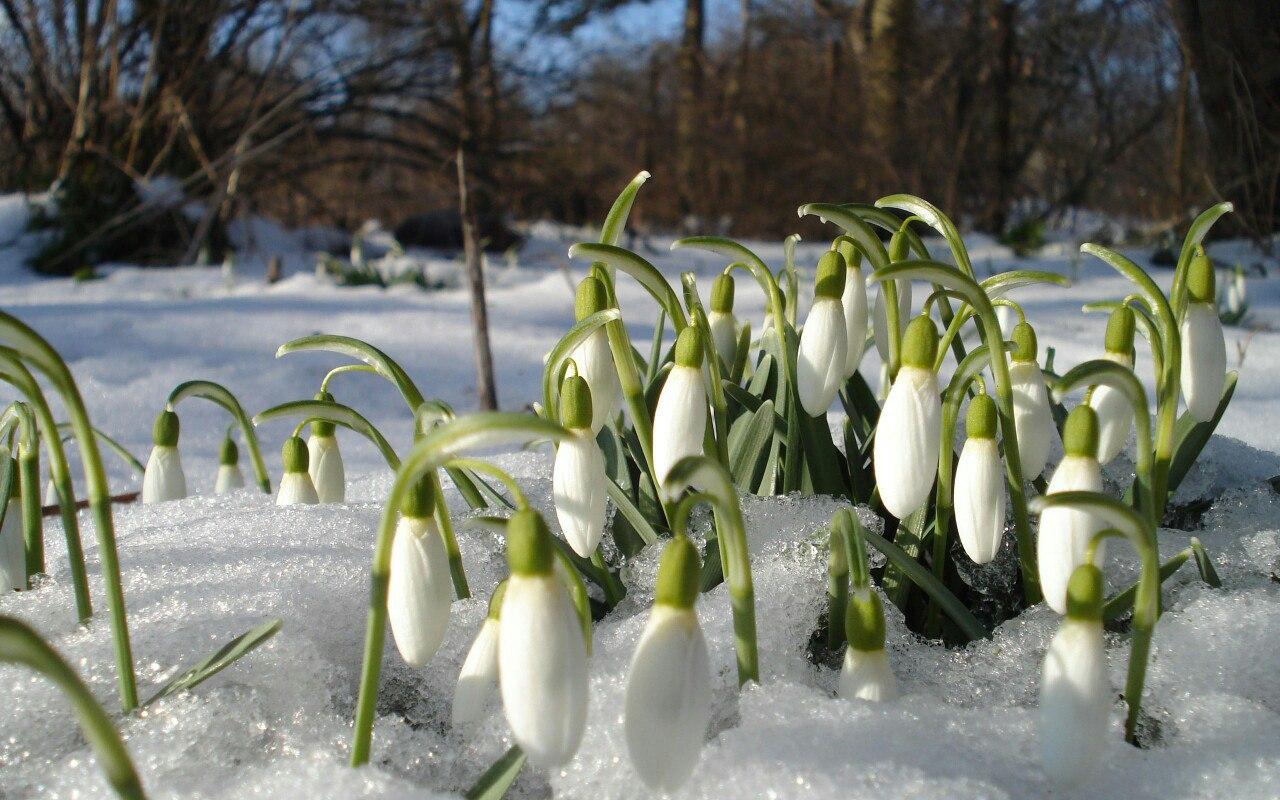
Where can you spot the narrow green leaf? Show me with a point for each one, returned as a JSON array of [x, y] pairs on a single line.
[[226, 655], [579, 333], [1190, 436], [497, 779], [616, 220], [1204, 564], [632, 514], [639, 268], [381, 363], [746, 459]]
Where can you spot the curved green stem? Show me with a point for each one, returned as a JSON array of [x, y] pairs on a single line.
[[1146, 608], [35, 350], [219, 395], [19, 644], [493, 471], [977, 299], [378, 361], [338, 414], [343, 370], [647, 274], [934, 218], [716, 485], [14, 372], [429, 453]]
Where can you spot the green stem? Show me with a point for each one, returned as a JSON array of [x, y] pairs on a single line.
[[19, 644], [32, 517], [33, 348], [219, 395]]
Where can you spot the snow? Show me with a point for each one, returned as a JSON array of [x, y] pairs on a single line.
[[278, 723]]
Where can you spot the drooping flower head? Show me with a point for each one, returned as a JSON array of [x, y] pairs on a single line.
[[1204, 350], [1065, 532], [1115, 412], [593, 357], [1032, 414], [854, 300], [325, 466], [542, 658], [578, 478], [824, 341], [905, 452], [296, 487], [722, 322], [163, 478], [420, 590], [866, 674], [479, 674], [668, 700], [979, 484], [680, 417], [229, 477]]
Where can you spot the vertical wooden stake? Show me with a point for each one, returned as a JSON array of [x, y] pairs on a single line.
[[486, 391]]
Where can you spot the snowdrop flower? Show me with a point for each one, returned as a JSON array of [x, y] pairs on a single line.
[[296, 487], [1204, 351], [723, 324], [479, 673], [325, 460], [578, 475], [1075, 692], [542, 658], [13, 549], [680, 418], [593, 357], [905, 452], [880, 319], [824, 341], [1065, 532], [854, 301], [979, 486], [866, 674], [163, 478], [668, 701], [51, 493], [1032, 416], [230, 477], [420, 589], [1115, 412], [1236, 293]]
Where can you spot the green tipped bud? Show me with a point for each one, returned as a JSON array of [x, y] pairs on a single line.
[[829, 282], [899, 247], [722, 293], [420, 501], [164, 433], [1080, 433], [846, 247], [575, 402], [591, 298], [1084, 593], [1120, 329], [1025, 346], [981, 420], [689, 348], [920, 343], [1200, 279], [864, 621], [679, 574], [323, 427], [229, 456], [294, 454], [495, 600], [529, 548]]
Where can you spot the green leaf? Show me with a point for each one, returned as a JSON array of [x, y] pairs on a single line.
[[998, 285], [639, 268], [632, 514], [226, 655], [935, 219], [747, 453], [381, 363], [1204, 564], [563, 350], [616, 221], [1190, 436], [66, 432], [336, 413], [854, 226], [497, 779]]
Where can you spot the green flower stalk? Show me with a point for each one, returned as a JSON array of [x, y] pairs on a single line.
[[13, 556], [220, 396], [19, 644], [28, 480]]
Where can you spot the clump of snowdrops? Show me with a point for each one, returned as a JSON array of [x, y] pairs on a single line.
[[713, 412]]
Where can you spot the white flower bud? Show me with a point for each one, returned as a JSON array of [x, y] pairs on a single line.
[[229, 479], [854, 301], [680, 418], [979, 485], [1075, 701], [163, 478], [866, 675], [724, 334], [822, 355], [579, 491], [479, 675], [420, 589], [324, 465], [905, 453], [1204, 360]]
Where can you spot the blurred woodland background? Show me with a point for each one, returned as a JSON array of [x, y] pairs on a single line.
[[1006, 113]]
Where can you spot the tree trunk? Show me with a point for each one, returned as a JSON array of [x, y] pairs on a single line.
[[888, 79], [486, 391], [688, 104], [1234, 47], [1005, 24]]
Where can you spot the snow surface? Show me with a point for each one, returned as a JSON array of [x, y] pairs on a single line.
[[278, 723]]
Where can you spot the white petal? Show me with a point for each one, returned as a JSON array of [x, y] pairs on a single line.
[[542, 669], [163, 479], [13, 549], [578, 488], [979, 499], [880, 321], [679, 420], [1115, 421], [229, 479], [595, 364], [1032, 416], [296, 488], [905, 453], [1075, 702], [324, 465], [478, 676], [51, 493], [820, 361], [420, 591], [866, 675], [1204, 360], [668, 703], [854, 301], [724, 334], [1065, 532]]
